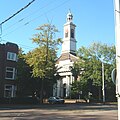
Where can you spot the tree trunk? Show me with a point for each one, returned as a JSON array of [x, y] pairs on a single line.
[[41, 91]]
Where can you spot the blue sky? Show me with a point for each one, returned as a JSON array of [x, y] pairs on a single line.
[[94, 20]]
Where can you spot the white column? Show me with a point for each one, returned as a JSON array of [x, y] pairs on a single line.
[[58, 88], [55, 89], [68, 85], [61, 87], [117, 32]]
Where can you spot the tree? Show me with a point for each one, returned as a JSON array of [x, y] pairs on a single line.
[[25, 83], [42, 59], [91, 67], [103, 52]]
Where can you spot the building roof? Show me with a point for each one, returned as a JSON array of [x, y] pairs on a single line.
[[67, 56]]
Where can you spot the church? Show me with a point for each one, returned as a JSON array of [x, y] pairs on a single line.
[[62, 88]]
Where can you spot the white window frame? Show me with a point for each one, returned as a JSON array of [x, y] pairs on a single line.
[[11, 91], [11, 56], [10, 71]]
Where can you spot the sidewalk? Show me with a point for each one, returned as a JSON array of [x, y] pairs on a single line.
[[74, 101]]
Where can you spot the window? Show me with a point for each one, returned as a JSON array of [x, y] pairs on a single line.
[[72, 33], [10, 73], [10, 91], [11, 56]]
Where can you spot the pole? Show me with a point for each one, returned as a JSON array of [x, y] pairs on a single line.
[[117, 35], [103, 83]]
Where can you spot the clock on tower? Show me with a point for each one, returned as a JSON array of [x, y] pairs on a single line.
[[66, 32]]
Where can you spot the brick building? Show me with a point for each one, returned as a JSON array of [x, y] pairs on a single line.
[[8, 69]]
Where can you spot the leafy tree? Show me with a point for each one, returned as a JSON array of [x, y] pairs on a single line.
[[76, 69], [42, 59], [91, 67], [103, 52], [26, 85], [75, 89]]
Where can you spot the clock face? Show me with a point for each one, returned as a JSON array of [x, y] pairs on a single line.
[[66, 32]]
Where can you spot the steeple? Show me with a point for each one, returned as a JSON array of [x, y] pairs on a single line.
[[69, 16], [69, 41]]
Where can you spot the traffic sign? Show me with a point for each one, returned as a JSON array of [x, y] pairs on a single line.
[[113, 75]]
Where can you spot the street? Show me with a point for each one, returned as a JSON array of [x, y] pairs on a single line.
[[59, 112]]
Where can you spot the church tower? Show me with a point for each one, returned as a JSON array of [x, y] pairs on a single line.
[[66, 60], [69, 41]]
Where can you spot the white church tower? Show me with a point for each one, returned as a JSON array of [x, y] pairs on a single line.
[[68, 56], [69, 41]]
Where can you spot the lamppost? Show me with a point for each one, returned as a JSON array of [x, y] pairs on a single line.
[[117, 35], [103, 76], [103, 83]]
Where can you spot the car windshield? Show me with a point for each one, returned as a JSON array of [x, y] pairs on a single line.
[[57, 97]]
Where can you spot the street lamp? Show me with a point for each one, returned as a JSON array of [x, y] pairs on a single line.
[[103, 80], [103, 83]]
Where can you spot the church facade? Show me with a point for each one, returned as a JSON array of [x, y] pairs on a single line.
[[66, 60]]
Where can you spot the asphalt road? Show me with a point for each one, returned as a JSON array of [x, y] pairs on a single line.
[[59, 112]]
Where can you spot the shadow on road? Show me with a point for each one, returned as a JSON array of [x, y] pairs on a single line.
[[67, 111], [67, 106]]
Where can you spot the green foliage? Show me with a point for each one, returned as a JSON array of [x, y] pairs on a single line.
[[26, 85], [42, 59], [47, 36], [89, 66]]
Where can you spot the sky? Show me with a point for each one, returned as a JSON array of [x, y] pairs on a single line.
[[94, 20]]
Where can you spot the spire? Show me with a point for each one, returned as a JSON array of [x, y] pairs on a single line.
[[69, 16]]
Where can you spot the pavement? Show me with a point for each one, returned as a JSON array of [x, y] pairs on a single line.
[[68, 111]]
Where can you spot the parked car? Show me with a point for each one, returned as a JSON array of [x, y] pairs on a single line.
[[55, 100]]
